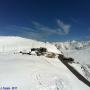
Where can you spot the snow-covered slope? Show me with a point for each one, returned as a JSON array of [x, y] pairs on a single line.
[[12, 43], [80, 52], [30, 72], [37, 73]]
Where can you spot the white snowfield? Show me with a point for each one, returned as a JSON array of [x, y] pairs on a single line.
[[29, 72]]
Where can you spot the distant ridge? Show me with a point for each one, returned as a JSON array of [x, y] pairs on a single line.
[[69, 45]]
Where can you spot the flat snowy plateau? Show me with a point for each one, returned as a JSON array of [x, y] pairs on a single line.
[[30, 72]]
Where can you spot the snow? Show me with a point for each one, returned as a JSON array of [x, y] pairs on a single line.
[[72, 45], [83, 57], [37, 73], [11, 43], [30, 72], [80, 55]]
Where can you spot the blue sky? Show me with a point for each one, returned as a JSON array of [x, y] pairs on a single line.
[[52, 20]]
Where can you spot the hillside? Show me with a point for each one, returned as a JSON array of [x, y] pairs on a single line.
[[80, 51], [15, 43], [31, 72]]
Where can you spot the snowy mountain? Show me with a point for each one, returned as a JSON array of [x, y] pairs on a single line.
[[69, 45], [31, 72], [80, 51]]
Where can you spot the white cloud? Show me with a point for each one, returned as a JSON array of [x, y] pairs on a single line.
[[39, 31], [62, 28], [65, 28]]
